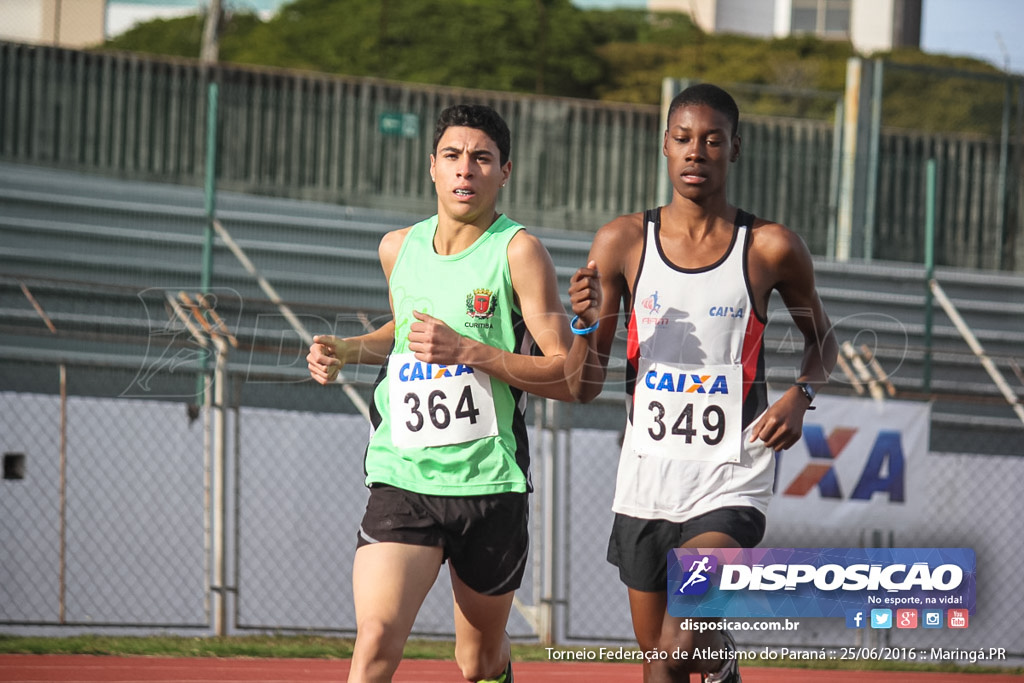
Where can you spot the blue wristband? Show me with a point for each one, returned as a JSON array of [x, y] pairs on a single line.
[[585, 330]]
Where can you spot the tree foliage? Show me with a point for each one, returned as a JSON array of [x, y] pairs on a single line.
[[539, 46], [553, 47]]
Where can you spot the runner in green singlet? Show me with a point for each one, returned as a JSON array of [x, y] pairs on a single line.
[[448, 463]]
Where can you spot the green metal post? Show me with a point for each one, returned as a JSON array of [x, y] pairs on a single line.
[[929, 272], [211, 186], [206, 275]]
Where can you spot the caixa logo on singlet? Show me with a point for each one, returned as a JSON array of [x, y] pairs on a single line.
[[417, 370], [726, 312], [686, 382]]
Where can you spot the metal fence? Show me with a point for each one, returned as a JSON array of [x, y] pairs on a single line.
[[112, 517], [355, 141], [104, 509], [110, 523], [977, 145], [980, 168], [852, 187]]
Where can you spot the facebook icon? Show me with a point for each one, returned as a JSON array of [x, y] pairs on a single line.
[[855, 618]]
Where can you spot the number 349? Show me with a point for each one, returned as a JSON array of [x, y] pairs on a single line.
[[713, 419]]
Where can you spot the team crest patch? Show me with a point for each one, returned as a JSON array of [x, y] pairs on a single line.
[[481, 303]]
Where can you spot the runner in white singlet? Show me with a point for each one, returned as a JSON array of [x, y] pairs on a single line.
[[694, 278]]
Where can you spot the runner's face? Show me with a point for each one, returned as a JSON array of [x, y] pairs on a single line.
[[467, 172], [699, 145]]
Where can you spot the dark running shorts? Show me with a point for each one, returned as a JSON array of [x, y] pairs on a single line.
[[639, 547], [485, 538]]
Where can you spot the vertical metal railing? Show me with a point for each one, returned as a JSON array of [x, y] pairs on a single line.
[[577, 163], [978, 218]]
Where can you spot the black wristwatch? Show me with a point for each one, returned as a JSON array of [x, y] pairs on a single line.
[[808, 391]]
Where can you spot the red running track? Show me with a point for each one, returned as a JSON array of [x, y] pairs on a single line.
[[93, 669]]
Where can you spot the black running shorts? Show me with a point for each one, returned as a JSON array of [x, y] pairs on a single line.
[[485, 538], [639, 547]]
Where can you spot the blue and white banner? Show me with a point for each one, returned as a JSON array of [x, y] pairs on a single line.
[[859, 465], [817, 582]]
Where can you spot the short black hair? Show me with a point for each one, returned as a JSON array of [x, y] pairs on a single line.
[[478, 116], [711, 96]]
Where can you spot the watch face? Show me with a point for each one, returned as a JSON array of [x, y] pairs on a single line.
[[808, 390]]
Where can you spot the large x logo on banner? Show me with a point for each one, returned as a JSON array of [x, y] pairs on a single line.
[[820, 474]]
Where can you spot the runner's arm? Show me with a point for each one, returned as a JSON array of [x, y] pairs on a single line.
[[606, 270], [781, 426], [535, 286], [329, 354]]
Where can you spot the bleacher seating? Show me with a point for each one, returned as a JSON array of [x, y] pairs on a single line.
[[99, 255]]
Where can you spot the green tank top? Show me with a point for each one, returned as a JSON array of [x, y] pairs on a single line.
[[450, 430]]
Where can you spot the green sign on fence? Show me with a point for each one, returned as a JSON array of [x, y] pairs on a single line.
[[396, 123]]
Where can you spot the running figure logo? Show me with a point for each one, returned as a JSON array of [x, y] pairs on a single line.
[[696, 581], [651, 304]]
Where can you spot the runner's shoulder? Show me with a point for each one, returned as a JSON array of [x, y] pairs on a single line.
[[774, 241], [622, 232]]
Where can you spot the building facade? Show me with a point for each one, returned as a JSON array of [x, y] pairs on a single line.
[[63, 23], [122, 15], [870, 25]]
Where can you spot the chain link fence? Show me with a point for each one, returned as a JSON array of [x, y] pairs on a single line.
[[953, 500], [107, 501], [108, 520], [104, 515], [108, 507]]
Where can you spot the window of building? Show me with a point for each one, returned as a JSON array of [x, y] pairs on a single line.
[[826, 18]]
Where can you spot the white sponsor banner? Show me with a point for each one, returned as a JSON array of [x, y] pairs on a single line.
[[858, 464]]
